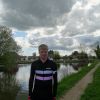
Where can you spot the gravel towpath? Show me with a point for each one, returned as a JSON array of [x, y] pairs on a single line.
[[75, 92]]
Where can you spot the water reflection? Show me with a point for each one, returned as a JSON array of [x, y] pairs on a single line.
[[65, 70], [23, 76], [24, 71], [8, 87]]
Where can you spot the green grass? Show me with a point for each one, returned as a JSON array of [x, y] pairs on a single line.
[[8, 87], [69, 81], [92, 92]]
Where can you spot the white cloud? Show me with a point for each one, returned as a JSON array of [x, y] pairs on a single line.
[[62, 24], [97, 33], [1, 7], [23, 42], [76, 23], [34, 13], [93, 2]]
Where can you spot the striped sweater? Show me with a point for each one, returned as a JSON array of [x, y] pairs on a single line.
[[43, 80]]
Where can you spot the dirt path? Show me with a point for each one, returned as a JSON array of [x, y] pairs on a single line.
[[78, 89]]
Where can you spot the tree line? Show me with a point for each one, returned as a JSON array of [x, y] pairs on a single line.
[[75, 54]]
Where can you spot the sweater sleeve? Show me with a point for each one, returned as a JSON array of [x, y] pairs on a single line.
[[54, 80], [31, 80]]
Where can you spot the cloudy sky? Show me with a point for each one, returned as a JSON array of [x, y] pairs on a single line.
[[64, 25]]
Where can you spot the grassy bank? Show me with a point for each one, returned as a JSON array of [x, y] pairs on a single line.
[[93, 90], [70, 81], [8, 87]]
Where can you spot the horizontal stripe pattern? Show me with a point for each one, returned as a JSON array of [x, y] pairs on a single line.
[[44, 72], [43, 78]]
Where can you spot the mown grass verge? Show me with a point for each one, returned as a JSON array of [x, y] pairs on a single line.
[[69, 81], [92, 92]]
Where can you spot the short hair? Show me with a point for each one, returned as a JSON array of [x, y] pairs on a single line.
[[43, 46]]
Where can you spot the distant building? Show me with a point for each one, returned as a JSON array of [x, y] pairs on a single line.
[[26, 58]]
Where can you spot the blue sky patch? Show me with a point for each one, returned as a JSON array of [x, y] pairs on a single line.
[[20, 34]]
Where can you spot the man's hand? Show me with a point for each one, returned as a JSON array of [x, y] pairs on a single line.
[[54, 98], [29, 98]]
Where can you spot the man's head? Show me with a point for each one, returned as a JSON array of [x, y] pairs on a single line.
[[43, 52]]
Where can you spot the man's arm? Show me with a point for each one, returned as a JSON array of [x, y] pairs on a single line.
[[31, 80], [55, 81]]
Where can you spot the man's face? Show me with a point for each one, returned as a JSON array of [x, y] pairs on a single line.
[[43, 54]]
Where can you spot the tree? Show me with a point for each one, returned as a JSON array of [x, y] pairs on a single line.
[[51, 53], [56, 55], [7, 43], [80, 55], [97, 51], [75, 54], [8, 46], [83, 55]]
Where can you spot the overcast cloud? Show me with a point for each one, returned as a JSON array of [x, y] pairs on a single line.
[[25, 14], [62, 24]]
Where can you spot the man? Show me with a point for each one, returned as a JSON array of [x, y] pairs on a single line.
[[43, 77]]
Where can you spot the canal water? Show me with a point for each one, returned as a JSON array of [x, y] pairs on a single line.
[[17, 83], [23, 73]]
